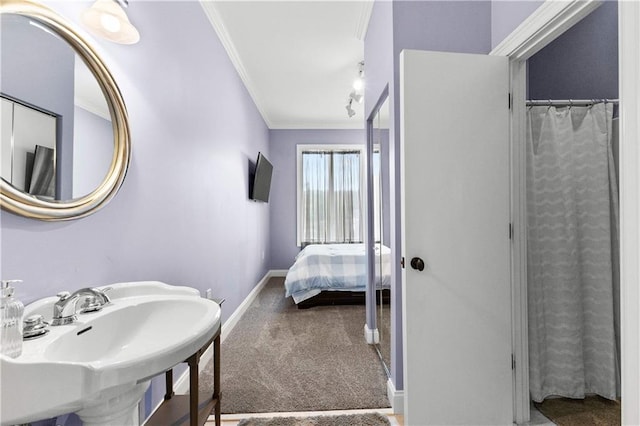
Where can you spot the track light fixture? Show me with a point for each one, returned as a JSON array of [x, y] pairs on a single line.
[[356, 94], [107, 19], [350, 110]]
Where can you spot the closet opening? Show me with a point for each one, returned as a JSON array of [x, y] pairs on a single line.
[[572, 224]]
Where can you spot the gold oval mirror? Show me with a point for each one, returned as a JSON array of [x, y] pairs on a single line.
[[65, 134]]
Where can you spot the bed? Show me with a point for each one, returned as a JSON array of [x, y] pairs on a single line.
[[334, 274]]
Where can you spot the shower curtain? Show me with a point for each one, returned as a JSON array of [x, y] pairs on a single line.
[[572, 231]]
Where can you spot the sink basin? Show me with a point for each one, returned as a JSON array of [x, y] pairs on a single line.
[[100, 365]]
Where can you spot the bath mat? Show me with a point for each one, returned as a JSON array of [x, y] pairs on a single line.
[[368, 419], [593, 410]]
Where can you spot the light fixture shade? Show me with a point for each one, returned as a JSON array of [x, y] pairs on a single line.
[[107, 19], [356, 96], [358, 84], [350, 110]]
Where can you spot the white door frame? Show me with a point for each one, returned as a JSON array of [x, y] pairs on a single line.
[[629, 51], [550, 20]]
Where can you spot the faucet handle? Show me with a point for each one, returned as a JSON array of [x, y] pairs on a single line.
[[90, 304], [34, 320], [34, 326], [102, 295], [63, 295]]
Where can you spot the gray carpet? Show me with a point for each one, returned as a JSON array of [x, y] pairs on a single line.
[[384, 329], [279, 358], [369, 419]]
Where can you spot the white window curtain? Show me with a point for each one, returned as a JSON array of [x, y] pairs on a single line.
[[377, 195], [331, 197]]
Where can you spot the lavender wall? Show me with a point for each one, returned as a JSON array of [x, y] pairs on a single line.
[[582, 63], [183, 215], [92, 151], [507, 15], [448, 26], [282, 200]]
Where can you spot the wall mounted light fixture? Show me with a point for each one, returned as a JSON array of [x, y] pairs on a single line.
[[107, 19]]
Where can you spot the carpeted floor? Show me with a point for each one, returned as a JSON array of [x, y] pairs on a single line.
[[384, 329], [592, 411], [282, 359], [369, 419]]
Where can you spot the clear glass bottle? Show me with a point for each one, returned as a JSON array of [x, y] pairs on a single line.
[[11, 311]]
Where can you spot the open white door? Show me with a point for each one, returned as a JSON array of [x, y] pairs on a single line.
[[455, 218]]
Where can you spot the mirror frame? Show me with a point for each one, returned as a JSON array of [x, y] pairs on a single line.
[[20, 203], [371, 257]]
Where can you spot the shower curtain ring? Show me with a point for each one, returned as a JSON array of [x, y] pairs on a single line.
[[570, 103], [550, 104]]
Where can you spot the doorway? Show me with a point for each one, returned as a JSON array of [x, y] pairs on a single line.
[[542, 28], [573, 262]]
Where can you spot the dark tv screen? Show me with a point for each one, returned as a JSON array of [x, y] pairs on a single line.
[[262, 179]]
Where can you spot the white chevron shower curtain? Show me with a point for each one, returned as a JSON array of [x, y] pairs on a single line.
[[572, 237]]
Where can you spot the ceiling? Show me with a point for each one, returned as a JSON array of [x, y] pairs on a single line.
[[298, 59]]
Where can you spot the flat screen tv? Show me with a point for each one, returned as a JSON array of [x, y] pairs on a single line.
[[261, 179]]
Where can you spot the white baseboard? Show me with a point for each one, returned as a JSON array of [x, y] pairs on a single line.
[[371, 336], [278, 272], [232, 321], [181, 386], [396, 398]]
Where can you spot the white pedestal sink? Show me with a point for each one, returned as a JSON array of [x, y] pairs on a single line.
[[100, 366]]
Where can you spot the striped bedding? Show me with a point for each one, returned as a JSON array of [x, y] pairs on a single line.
[[333, 267]]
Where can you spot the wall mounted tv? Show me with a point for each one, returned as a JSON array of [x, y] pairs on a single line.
[[261, 179]]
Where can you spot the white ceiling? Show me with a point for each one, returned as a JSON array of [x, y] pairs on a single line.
[[298, 59]]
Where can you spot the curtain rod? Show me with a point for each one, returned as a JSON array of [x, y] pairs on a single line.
[[568, 102]]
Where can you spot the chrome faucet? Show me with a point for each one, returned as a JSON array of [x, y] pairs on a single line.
[[66, 308]]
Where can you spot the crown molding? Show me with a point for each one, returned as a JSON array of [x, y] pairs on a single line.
[[225, 38], [366, 8]]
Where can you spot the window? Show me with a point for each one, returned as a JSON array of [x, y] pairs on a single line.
[[330, 194]]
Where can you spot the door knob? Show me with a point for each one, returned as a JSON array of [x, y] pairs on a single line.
[[417, 263]]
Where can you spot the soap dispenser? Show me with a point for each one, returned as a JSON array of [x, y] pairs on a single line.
[[11, 311]]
